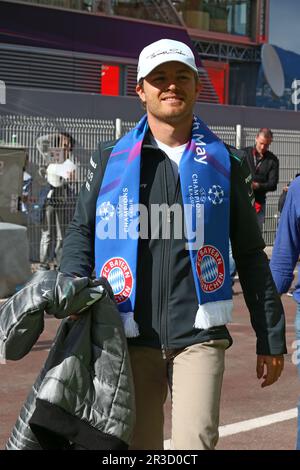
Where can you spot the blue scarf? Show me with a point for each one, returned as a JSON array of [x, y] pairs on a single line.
[[204, 172]]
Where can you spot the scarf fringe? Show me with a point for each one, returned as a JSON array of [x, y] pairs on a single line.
[[130, 325], [2, 351], [214, 314]]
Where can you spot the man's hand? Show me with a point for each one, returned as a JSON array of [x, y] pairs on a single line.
[[269, 368], [255, 185], [94, 283]]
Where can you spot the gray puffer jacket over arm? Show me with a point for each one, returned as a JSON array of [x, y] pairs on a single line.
[[84, 394]]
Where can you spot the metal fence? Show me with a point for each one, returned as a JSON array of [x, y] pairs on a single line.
[[286, 146], [24, 131]]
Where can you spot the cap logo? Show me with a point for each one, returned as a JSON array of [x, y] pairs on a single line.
[[169, 51]]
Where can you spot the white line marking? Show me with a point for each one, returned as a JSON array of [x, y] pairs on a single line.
[[254, 423], [249, 424]]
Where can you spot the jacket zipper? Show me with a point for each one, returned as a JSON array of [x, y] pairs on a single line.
[[166, 269], [164, 278]]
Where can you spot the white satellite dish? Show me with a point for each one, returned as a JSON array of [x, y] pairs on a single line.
[[272, 69]]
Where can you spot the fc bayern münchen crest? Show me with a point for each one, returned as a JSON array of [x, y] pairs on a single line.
[[210, 268], [118, 274]]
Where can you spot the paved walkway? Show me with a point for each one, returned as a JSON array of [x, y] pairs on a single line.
[[251, 417]]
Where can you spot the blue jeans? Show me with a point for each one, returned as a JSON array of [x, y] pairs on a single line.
[[297, 328]]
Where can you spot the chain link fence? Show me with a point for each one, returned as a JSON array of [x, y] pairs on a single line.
[[24, 131], [88, 133]]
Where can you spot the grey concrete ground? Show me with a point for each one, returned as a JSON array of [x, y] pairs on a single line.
[[242, 397]]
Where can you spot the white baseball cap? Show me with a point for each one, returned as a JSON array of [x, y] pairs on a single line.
[[164, 50]]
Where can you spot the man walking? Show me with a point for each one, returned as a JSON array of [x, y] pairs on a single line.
[[285, 255], [264, 167], [154, 218]]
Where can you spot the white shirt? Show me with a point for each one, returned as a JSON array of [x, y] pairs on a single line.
[[174, 153]]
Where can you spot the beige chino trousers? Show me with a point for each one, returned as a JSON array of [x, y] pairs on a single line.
[[195, 376]]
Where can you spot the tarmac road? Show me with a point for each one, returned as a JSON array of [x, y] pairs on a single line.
[[242, 399]]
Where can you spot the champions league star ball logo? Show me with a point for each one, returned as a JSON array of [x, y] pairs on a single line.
[[210, 268], [118, 274], [215, 194], [106, 210]]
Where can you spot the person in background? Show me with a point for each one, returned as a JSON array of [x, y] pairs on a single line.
[[174, 291], [285, 255], [59, 201], [264, 167]]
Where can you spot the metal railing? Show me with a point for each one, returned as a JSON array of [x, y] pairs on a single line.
[[88, 133]]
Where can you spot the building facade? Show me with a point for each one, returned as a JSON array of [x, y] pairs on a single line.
[[92, 46]]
